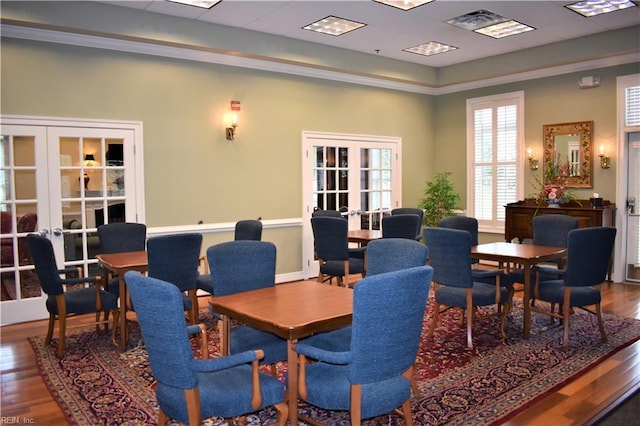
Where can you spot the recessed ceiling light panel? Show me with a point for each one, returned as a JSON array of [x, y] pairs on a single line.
[[591, 8], [205, 4], [403, 4], [430, 48], [504, 29], [334, 26]]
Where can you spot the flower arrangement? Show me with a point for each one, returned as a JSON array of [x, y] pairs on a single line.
[[553, 186]]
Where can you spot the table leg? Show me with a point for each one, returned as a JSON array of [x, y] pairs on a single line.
[[226, 334], [292, 361], [122, 289], [525, 300]]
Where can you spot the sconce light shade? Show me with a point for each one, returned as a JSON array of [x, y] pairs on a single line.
[[605, 162], [533, 163], [89, 159], [230, 132]]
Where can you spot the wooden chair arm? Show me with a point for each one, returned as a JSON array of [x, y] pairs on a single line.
[[256, 394]]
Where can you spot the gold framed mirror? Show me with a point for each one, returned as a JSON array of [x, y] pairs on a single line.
[[571, 143]]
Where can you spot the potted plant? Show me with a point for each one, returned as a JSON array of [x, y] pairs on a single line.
[[440, 199]]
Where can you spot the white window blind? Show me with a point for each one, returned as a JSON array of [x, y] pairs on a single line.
[[632, 106], [494, 141]]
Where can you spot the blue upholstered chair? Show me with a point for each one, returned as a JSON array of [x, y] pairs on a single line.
[[191, 389], [174, 258], [119, 238], [372, 377], [238, 266], [411, 210], [450, 257], [588, 255], [62, 304], [548, 230], [400, 226], [330, 213], [249, 229], [470, 224], [335, 258]]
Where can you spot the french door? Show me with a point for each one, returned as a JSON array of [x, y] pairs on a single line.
[[61, 182], [357, 175], [632, 263]]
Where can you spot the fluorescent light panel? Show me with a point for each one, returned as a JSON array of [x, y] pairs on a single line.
[[205, 4], [591, 8], [430, 48], [504, 29], [333, 25], [403, 4]]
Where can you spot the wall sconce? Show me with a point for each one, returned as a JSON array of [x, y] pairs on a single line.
[[230, 131], [89, 160], [533, 163], [605, 162]]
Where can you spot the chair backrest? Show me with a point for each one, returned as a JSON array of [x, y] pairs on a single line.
[[409, 210], [330, 213], [450, 256], [392, 254], [238, 266], [44, 260], [122, 237], [174, 258], [160, 313], [330, 236], [588, 255], [469, 224], [401, 226], [402, 296], [553, 229], [249, 229]]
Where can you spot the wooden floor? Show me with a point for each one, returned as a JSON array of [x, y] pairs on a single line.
[[582, 401]]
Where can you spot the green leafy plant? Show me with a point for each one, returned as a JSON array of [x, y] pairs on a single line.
[[440, 199]]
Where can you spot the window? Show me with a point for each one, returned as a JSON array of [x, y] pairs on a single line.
[[495, 150]]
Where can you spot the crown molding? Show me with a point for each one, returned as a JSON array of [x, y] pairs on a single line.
[[236, 59]]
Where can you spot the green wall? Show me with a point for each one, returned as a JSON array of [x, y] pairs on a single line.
[[192, 172]]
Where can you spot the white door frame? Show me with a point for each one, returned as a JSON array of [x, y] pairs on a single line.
[[309, 138]]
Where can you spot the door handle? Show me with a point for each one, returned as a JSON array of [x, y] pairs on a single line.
[[44, 233], [57, 232]]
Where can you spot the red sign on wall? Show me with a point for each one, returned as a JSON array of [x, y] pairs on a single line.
[[235, 105]]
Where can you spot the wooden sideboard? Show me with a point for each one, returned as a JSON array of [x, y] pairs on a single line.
[[519, 216]]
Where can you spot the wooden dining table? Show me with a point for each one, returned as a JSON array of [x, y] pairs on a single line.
[[118, 264], [291, 311], [363, 236], [527, 255]]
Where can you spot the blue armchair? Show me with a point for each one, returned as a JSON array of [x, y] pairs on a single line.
[[60, 303], [450, 256], [588, 255], [372, 377], [191, 389], [174, 258], [400, 226], [238, 266]]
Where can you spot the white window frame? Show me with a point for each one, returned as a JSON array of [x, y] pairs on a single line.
[[517, 98]]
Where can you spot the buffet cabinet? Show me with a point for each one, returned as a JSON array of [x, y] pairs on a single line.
[[519, 216]]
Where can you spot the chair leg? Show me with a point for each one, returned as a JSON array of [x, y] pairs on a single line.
[[434, 319], [52, 320], [283, 413], [410, 375], [470, 312], [162, 418], [406, 413], [566, 312], [62, 323], [356, 405], [603, 333]]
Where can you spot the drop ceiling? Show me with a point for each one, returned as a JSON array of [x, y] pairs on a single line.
[[389, 30]]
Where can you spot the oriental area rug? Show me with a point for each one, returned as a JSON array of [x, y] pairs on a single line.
[[97, 384]]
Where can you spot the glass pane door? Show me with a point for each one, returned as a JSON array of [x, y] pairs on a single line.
[[358, 176], [632, 264], [22, 150]]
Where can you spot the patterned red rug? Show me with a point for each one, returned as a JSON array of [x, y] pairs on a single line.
[[97, 384]]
